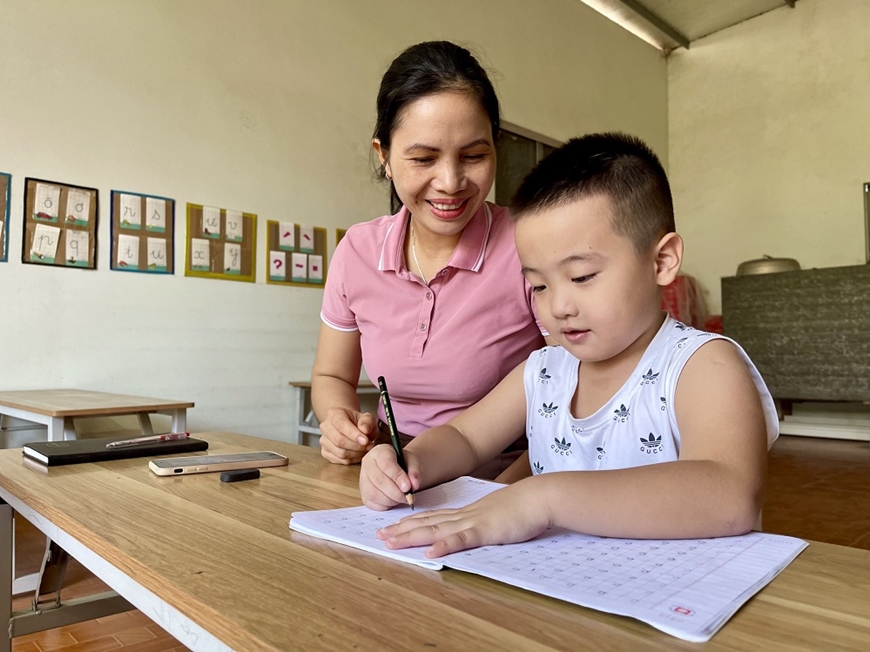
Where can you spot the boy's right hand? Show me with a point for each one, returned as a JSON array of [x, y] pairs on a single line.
[[347, 435], [382, 482]]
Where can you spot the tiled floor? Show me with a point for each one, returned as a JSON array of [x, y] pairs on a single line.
[[817, 489]]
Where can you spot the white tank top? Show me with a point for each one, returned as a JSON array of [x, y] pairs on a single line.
[[637, 426]]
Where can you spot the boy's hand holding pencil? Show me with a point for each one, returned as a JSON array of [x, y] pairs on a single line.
[[383, 483]]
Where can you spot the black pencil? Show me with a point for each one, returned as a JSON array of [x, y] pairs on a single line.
[[394, 433]]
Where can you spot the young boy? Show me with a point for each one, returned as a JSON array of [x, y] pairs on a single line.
[[658, 430]]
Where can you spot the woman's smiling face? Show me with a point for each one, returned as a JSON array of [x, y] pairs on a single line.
[[442, 160]]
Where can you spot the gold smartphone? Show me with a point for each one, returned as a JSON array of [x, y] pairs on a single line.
[[212, 463]]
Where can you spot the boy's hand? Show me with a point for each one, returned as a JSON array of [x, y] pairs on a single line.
[[382, 482], [347, 435], [508, 515]]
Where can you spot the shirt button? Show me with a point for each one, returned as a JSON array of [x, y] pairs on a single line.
[[428, 295], [423, 326]]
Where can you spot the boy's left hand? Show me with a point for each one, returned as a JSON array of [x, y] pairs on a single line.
[[508, 515]]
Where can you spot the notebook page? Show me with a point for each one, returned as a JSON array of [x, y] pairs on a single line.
[[355, 526], [687, 588]]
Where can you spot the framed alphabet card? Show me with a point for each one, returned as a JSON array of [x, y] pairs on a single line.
[[296, 255], [60, 224], [143, 228], [5, 200], [221, 243]]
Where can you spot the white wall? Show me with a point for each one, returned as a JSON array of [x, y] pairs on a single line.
[[265, 106], [769, 136]]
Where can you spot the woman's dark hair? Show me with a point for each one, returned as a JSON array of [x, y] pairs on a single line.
[[425, 69]]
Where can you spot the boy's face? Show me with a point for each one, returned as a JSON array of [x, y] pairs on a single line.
[[595, 294]]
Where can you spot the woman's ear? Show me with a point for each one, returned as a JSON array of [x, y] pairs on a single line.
[[669, 258], [383, 156]]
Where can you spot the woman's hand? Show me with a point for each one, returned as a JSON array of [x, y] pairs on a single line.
[[382, 482], [347, 435], [508, 515]]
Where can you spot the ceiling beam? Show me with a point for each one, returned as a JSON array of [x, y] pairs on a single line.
[[657, 22]]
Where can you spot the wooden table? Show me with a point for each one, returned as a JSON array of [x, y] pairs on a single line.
[[217, 566], [57, 409]]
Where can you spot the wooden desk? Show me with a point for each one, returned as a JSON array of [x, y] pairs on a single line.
[[217, 566], [57, 409], [305, 413]]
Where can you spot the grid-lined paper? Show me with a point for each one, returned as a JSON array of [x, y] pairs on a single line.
[[688, 588]]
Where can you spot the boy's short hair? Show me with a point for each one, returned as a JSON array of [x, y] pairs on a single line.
[[616, 165]]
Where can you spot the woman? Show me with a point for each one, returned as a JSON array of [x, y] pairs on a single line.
[[432, 297]]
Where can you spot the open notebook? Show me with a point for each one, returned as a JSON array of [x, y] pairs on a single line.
[[688, 588]]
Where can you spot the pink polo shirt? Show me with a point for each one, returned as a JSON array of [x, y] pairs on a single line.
[[441, 347]]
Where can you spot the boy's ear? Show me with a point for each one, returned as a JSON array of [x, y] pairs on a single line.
[[669, 258]]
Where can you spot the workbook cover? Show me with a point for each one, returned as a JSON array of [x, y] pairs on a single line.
[[78, 451]]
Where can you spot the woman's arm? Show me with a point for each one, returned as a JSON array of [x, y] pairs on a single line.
[[346, 432]]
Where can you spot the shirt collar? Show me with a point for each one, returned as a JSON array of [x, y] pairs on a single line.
[[469, 251]]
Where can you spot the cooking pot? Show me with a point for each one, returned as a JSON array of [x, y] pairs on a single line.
[[767, 265]]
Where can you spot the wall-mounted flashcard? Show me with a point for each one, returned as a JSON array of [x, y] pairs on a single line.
[[299, 267], [76, 248], [315, 269], [277, 265], [146, 223], [131, 212], [127, 251], [211, 222], [221, 243], [339, 234], [286, 236], [235, 223], [232, 258], [5, 202], [200, 255], [306, 239], [157, 258], [47, 203], [304, 270], [78, 207], [68, 214], [45, 241]]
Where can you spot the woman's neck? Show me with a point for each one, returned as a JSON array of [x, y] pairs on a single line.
[[428, 253]]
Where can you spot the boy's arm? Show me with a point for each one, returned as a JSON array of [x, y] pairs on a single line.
[[715, 489], [446, 452]]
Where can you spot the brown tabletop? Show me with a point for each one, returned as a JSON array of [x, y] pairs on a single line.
[[222, 555]]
